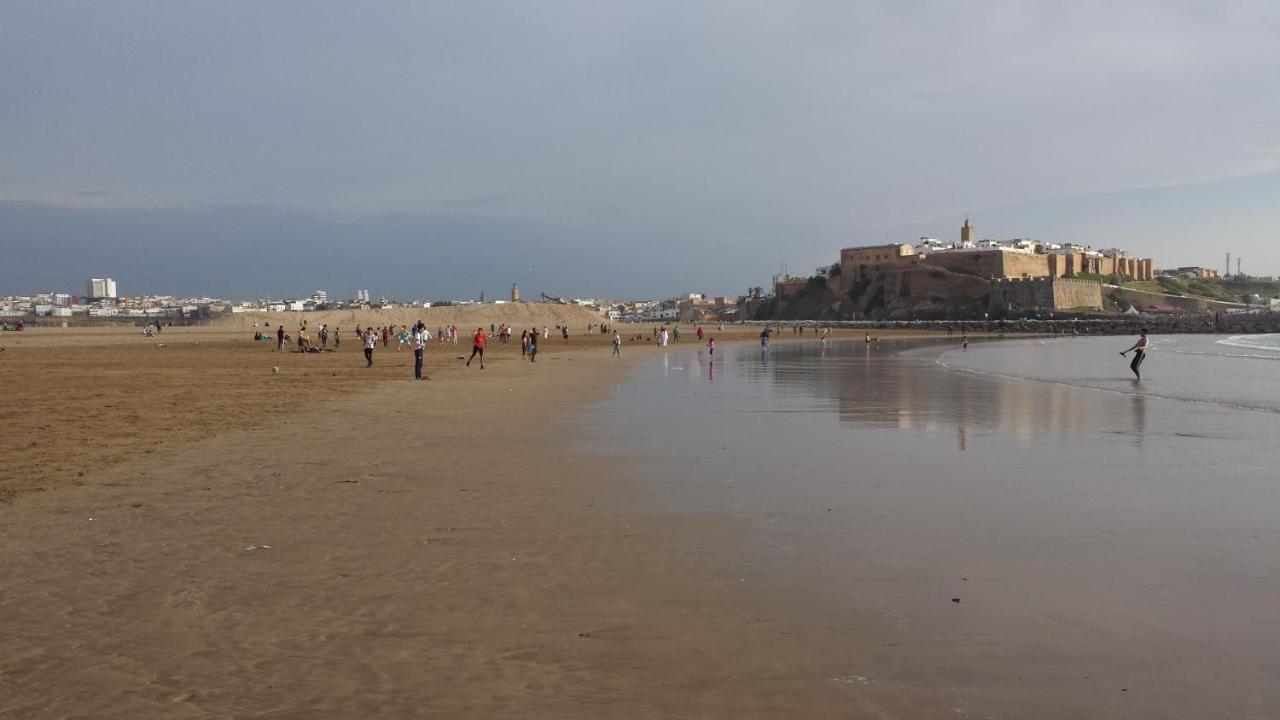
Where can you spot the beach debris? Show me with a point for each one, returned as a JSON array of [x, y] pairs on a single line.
[[251, 548], [275, 369], [160, 345], [852, 679], [183, 697], [955, 600]]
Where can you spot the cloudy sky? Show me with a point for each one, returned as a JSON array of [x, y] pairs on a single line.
[[425, 149]]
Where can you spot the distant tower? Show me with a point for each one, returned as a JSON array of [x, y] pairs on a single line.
[[515, 293], [1228, 265], [1238, 268], [966, 233], [481, 296]]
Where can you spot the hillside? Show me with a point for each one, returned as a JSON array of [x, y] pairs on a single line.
[[923, 291], [1231, 289]]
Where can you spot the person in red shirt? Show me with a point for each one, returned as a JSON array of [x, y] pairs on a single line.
[[477, 347]]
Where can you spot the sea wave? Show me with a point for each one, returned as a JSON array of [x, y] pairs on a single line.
[[1269, 342]]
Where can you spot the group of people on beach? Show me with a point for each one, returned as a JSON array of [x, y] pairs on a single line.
[[418, 337]]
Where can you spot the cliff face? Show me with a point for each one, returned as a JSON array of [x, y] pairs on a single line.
[[922, 291]]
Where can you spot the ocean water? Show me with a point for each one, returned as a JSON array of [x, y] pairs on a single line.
[[1095, 527], [1237, 371]]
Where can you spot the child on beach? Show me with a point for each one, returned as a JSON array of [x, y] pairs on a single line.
[[711, 348]]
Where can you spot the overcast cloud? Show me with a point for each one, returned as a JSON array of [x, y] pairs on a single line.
[[624, 149]]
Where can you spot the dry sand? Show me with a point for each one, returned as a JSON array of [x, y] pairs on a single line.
[[333, 541]]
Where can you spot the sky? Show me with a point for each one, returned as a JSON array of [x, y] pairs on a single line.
[[617, 149]]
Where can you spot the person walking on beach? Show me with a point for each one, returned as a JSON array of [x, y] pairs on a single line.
[[370, 342], [711, 348], [533, 345], [764, 338], [477, 346], [617, 345], [964, 343], [565, 332], [1139, 351], [280, 337], [386, 337], [700, 333], [337, 338]]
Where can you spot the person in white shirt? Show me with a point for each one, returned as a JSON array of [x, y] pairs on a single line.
[[370, 342], [421, 336]]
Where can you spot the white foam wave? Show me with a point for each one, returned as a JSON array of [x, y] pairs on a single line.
[[1269, 342]]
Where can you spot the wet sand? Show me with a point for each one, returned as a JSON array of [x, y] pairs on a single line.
[[345, 547], [1038, 549]]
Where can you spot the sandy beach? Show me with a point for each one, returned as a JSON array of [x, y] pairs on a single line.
[[906, 529], [193, 536]]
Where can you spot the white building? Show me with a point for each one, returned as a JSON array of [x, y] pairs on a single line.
[[102, 288]]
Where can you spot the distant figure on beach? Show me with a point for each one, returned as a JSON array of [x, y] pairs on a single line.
[[964, 342], [386, 336], [711, 348], [420, 339], [533, 345], [1139, 351], [617, 345], [565, 332], [280, 337], [477, 346], [370, 342], [675, 333], [764, 337], [337, 338], [545, 332], [700, 333], [868, 338]]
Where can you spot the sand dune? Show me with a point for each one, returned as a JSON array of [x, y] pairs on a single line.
[[464, 316]]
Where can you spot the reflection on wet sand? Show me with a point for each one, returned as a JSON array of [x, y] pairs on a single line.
[[902, 386], [1096, 536]]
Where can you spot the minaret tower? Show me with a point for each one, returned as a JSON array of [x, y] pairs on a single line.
[[966, 233], [515, 293]]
